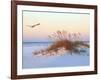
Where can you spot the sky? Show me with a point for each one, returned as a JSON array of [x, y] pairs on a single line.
[[51, 22]]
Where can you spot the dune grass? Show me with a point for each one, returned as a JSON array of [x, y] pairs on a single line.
[[63, 40]]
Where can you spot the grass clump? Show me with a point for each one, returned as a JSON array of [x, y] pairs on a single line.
[[63, 40]]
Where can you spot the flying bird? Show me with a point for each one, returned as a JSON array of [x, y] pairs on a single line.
[[33, 25]]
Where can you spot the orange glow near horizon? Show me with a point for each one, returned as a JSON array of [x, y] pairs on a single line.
[[52, 22]]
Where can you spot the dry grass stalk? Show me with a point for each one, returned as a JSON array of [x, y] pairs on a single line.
[[62, 39]]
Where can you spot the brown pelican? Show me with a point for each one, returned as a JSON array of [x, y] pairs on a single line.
[[33, 25]]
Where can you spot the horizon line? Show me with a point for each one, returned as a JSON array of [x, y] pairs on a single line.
[[42, 41]]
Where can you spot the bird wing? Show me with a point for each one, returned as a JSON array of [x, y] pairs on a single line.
[[33, 25], [36, 25]]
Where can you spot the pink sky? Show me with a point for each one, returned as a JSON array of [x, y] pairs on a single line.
[[51, 22]]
